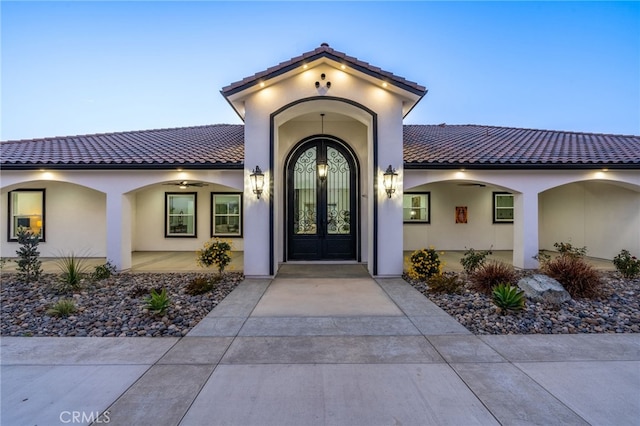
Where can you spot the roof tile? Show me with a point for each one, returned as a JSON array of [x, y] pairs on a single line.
[[425, 146]]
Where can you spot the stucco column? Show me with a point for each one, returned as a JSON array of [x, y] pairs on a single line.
[[257, 219], [119, 230], [390, 226], [525, 230]]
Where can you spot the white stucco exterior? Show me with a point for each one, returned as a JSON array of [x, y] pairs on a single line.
[[111, 213]]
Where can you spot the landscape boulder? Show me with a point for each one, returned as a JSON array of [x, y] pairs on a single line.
[[541, 288]]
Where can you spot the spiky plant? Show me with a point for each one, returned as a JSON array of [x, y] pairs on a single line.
[[508, 298], [62, 308]]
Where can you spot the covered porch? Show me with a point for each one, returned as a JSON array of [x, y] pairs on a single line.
[[185, 261]]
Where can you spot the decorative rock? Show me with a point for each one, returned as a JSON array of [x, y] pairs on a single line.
[[542, 288]]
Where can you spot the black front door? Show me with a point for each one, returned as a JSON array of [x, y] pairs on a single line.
[[321, 210]]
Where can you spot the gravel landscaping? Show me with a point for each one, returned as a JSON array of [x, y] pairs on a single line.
[[616, 310], [116, 307], [113, 307]]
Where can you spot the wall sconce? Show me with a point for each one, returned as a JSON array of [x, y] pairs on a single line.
[[322, 171], [389, 180], [257, 181]]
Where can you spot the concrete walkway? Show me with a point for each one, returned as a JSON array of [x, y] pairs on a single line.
[[306, 350]]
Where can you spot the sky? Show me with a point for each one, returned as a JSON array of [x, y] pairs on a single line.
[[71, 68]]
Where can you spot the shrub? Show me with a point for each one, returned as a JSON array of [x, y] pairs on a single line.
[[158, 303], [627, 265], [73, 269], [577, 277], [489, 275], [29, 264], [103, 271], [424, 264], [199, 285], [508, 298], [62, 308], [445, 283], [215, 252], [473, 259], [569, 250]]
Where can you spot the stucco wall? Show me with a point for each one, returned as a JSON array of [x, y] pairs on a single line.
[[601, 216], [148, 222], [604, 217], [74, 221], [443, 233]]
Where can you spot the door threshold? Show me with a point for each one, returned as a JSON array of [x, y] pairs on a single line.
[[322, 262]]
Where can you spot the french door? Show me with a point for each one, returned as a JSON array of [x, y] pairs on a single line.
[[321, 202]]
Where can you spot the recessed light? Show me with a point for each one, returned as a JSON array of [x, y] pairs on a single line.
[[262, 84], [342, 66], [384, 84]]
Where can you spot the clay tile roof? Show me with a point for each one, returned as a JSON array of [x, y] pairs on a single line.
[[425, 146], [447, 146], [324, 51], [214, 146]]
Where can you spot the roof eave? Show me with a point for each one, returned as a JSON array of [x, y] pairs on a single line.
[[521, 166], [124, 166], [235, 88]]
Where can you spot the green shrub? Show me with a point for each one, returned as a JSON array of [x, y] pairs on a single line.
[[29, 264], [157, 303], [200, 285], [445, 283], [473, 259], [104, 271], [215, 252], [577, 277], [62, 308], [489, 275], [508, 298], [73, 269], [424, 264], [627, 265]]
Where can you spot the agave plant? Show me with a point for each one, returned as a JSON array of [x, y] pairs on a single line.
[[508, 298], [158, 303]]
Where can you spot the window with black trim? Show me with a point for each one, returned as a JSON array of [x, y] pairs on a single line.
[[226, 215], [416, 207], [26, 210], [180, 214], [502, 207]]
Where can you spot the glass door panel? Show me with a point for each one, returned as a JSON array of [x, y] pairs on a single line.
[[305, 195], [338, 189]]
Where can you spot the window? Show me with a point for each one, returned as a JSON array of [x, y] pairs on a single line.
[[26, 210], [502, 207], [227, 215], [180, 214], [416, 207]]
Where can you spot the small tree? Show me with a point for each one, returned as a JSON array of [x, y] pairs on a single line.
[[29, 265]]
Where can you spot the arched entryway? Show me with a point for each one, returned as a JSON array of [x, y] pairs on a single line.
[[322, 201]]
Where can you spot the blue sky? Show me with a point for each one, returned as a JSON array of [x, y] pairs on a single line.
[[73, 68]]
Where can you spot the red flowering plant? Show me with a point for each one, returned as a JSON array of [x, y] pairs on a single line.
[[626, 264]]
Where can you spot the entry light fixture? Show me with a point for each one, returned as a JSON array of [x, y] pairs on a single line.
[[322, 170], [389, 180], [257, 181]]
